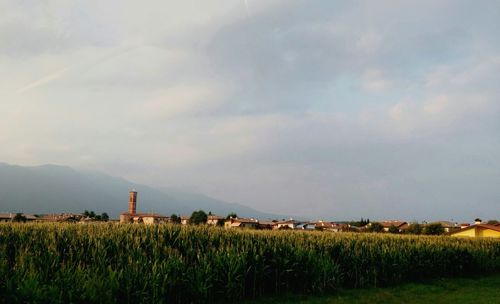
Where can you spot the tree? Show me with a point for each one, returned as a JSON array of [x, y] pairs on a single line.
[[86, 213], [414, 228], [434, 229], [393, 229], [375, 227], [198, 217], [231, 215], [492, 222], [364, 222], [360, 223], [220, 223], [175, 219], [92, 214], [19, 217], [105, 217]]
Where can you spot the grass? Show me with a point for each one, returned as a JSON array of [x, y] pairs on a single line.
[[475, 290]]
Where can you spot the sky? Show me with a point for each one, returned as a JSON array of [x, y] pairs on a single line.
[[323, 109]]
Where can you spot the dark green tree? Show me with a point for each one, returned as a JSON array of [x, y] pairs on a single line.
[[231, 215], [175, 219], [375, 227], [492, 222], [105, 217], [414, 228], [393, 229], [19, 217], [361, 223], [198, 217], [434, 229]]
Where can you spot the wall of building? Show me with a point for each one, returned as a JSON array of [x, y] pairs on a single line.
[[149, 220], [465, 233], [490, 233]]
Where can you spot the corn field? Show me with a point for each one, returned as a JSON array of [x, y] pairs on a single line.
[[106, 263]]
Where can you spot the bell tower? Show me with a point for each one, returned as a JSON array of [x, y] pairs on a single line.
[[132, 201]]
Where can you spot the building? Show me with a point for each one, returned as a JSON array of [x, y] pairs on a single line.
[[241, 223], [185, 219], [61, 217], [289, 224], [331, 226], [144, 218], [9, 217], [131, 216], [267, 225], [6, 217], [478, 230], [400, 225], [448, 226], [464, 225], [214, 219], [306, 226]]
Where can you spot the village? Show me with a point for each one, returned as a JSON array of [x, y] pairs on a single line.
[[478, 228]]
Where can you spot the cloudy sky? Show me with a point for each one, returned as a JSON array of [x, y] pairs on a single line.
[[325, 109]]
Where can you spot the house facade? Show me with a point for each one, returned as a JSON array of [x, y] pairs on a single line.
[[306, 226], [9, 217], [332, 226], [400, 225], [185, 219], [241, 223], [214, 219], [143, 218], [61, 217], [478, 230], [289, 224]]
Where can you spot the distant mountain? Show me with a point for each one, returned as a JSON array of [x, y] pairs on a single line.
[[55, 189]]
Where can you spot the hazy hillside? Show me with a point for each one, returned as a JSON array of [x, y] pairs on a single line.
[[49, 188]]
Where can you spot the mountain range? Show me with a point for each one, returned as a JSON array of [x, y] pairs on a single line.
[[57, 189]]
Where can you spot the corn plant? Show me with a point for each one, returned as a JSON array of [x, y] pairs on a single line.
[[106, 263]]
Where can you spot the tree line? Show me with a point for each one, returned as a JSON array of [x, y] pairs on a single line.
[[200, 217]]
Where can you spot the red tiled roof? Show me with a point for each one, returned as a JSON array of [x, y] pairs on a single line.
[[397, 224], [243, 220], [267, 223], [215, 217]]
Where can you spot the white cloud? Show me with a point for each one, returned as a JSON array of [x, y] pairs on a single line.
[[369, 42], [302, 101], [375, 80], [179, 100], [438, 114], [436, 105]]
